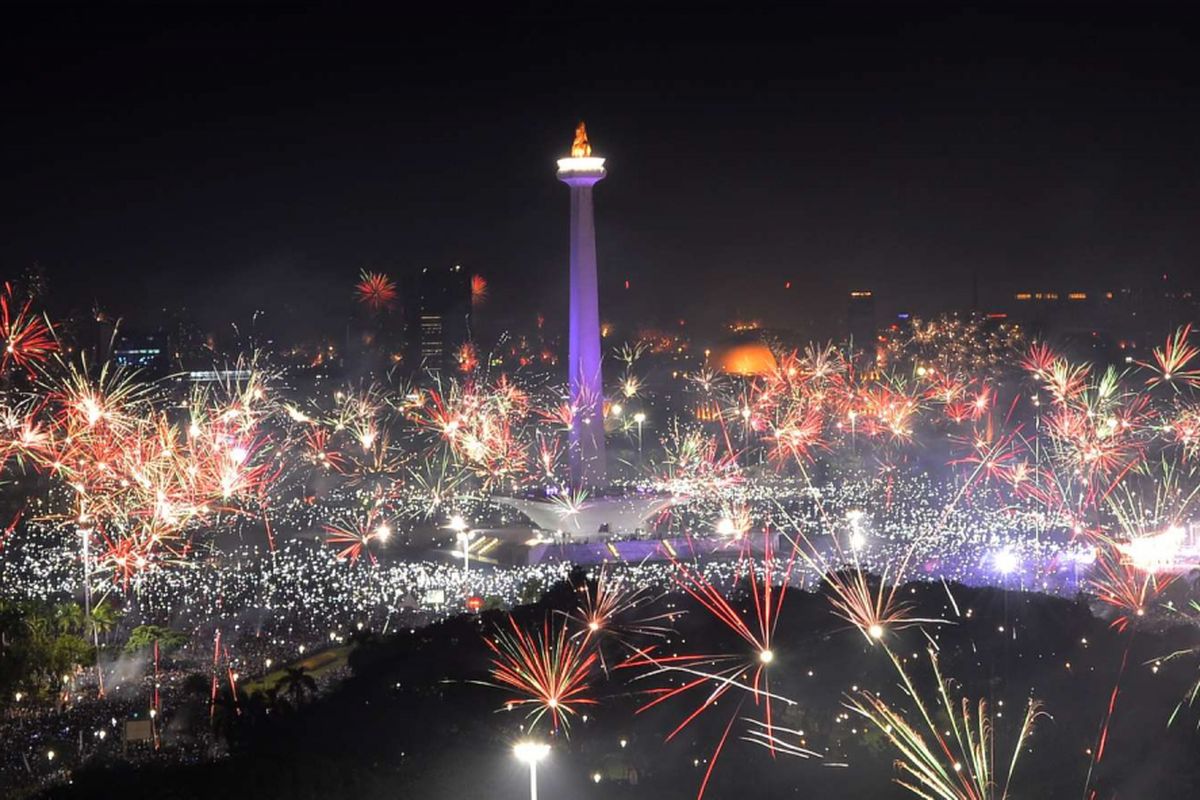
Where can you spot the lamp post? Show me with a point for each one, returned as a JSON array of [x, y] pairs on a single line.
[[459, 526], [531, 753]]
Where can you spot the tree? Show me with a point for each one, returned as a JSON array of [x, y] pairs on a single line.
[[297, 684], [144, 636], [103, 619], [70, 651], [272, 699], [39, 644], [69, 618]]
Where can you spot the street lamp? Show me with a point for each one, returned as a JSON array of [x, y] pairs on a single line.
[[1006, 562], [460, 528], [531, 753]]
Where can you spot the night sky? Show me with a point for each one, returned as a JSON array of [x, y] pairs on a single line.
[[228, 158]]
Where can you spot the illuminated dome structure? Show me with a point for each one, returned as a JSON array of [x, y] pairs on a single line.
[[744, 357], [602, 517]]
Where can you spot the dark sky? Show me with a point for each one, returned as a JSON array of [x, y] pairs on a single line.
[[232, 158]]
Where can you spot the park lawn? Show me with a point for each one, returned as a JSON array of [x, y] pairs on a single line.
[[315, 665]]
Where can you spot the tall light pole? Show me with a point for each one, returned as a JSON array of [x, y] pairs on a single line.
[[85, 534], [460, 528], [581, 171], [531, 753]]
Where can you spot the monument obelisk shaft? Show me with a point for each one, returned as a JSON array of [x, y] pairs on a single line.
[[581, 172]]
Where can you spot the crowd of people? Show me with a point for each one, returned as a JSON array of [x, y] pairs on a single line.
[[252, 608]]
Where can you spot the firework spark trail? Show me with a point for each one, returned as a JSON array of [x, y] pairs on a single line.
[[140, 483], [773, 739], [232, 677], [1171, 362], [10, 527], [548, 670], [609, 608], [154, 699], [212, 699], [358, 535], [959, 765], [28, 339], [719, 673], [376, 291], [1106, 721], [144, 486]]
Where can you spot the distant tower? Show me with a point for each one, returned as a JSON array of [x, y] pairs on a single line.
[[438, 315], [860, 318], [582, 171]]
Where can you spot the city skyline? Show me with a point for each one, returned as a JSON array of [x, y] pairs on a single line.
[[603, 401], [264, 169]]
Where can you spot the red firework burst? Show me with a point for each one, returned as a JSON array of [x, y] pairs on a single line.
[[316, 441], [358, 536], [1125, 587], [717, 674], [1039, 361], [610, 608], [797, 435], [468, 359], [548, 669], [28, 339], [479, 289], [134, 553], [376, 291], [1171, 361]]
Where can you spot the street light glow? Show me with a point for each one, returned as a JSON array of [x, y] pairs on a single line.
[[531, 752], [1006, 562]]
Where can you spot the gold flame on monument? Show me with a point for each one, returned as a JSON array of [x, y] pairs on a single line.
[[580, 148]]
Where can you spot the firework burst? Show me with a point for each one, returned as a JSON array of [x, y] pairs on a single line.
[[1172, 362], [376, 291], [547, 668], [712, 676], [358, 536], [27, 337], [937, 763]]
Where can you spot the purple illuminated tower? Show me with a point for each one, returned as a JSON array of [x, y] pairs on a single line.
[[582, 171]]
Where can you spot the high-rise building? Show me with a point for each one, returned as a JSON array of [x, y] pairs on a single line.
[[861, 325], [146, 353], [581, 171], [437, 316]]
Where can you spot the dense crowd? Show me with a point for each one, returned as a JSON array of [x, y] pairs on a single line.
[[249, 608]]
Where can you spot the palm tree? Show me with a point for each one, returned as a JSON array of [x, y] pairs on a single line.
[[69, 617], [297, 684], [272, 702], [11, 615], [103, 619], [40, 630]]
